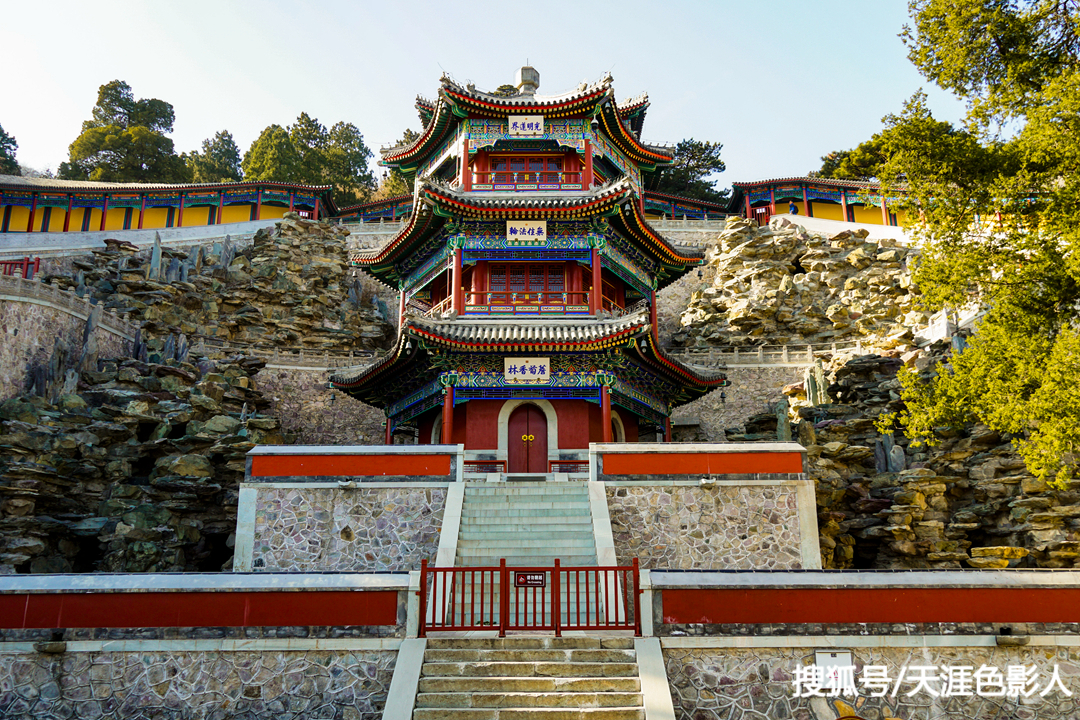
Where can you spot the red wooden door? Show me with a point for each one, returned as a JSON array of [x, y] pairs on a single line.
[[527, 441]]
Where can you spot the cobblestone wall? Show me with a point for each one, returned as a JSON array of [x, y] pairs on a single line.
[[721, 528], [311, 414], [169, 685], [28, 337], [323, 529], [752, 389], [751, 684]]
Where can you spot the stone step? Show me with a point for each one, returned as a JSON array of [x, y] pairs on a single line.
[[570, 488], [503, 504], [535, 713], [486, 540], [550, 551], [510, 530], [529, 669], [530, 655], [532, 642], [516, 512], [556, 519], [515, 561], [521, 699], [528, 684]]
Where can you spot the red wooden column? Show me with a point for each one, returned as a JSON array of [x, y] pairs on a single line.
[[843, 203], [605, 413], [33, 212], [586, 177], [667, 429], [221, 206], [142, 208], [772, 201], [806, 203], [292, 201], [457, 295], [466, 175], [401, 309], [884, 211], [749, 210], [67, 218], [258, 205], [448, 415], [104, 211], [315, 212], [389, 440], [652, 317], [595, 296], [180, 213]]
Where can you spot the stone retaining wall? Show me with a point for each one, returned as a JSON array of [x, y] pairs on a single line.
[[721, 528], [175, 685], [752, 389], [28, 337], [755, 683], [311, 414], [328, 529]]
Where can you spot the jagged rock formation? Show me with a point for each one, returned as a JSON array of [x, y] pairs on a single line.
[[967, 502], [780, 285], [134, 469], [291, 288]]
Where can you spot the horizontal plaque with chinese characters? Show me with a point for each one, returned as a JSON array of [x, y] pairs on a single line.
[[526, 124], [526, 233], [526, 371]]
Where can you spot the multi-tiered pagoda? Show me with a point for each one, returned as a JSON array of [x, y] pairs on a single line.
[[528, 277]]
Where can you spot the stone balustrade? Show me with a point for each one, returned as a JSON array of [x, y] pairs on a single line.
[[16, 289]]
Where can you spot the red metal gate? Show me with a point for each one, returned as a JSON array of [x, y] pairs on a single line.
[[530, 598]]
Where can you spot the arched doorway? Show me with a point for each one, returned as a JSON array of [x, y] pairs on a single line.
[[527, 441]]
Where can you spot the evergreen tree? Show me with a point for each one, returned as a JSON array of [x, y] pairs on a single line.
[[1017, 65], [124, 141], [695, 162], [219, 160], [307, 153], [273, 156], [8, 146]]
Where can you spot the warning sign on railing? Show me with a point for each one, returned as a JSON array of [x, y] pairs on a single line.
[[530, 579]]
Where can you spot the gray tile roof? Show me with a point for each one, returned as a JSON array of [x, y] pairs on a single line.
[[540, 331]]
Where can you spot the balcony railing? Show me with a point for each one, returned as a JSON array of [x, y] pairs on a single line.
[[505, 180], [545, 302]]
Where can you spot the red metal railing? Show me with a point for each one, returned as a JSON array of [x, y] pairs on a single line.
[[568, 466], [25, 267], [526, 178], [530, 598], [485, 466], [523, 301]]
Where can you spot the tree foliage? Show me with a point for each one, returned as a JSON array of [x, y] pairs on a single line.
[[8, 146], [306, 152], [695, 162], [867, 160], [393, 182], [124, 141], [1015, 166], [219, 160]]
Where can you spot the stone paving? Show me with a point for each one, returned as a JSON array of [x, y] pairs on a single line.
[[327, 529], [756, 684], [684, 527], [339, 685]]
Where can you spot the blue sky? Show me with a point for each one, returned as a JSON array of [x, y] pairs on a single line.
[[779, 84]]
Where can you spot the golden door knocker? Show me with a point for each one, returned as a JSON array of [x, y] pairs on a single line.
[[528, 438]]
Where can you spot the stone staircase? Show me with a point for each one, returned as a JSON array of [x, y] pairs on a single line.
[[529, 678], [527, 523]]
